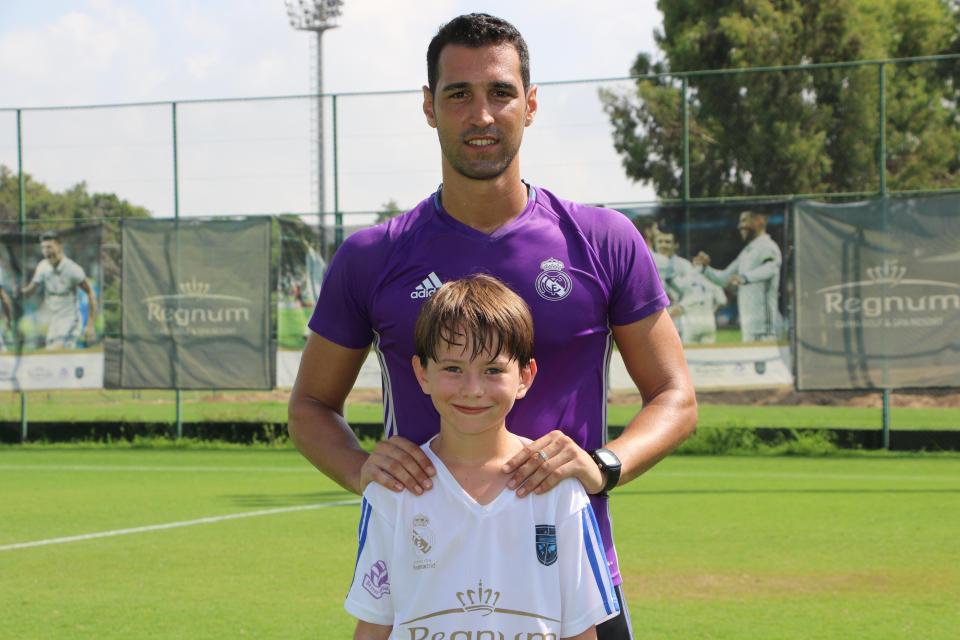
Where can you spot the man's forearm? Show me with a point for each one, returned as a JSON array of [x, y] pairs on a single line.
[[658, 428], [325, 439]]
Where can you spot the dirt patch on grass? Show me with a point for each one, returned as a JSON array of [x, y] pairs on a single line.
[[936, 398], [738, 586]]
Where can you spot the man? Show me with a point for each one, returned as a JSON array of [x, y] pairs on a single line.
[[60, 278], [650, 231], [697, 299], [755, 274], [585, 272]]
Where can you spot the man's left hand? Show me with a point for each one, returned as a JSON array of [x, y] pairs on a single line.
[[543, 463]]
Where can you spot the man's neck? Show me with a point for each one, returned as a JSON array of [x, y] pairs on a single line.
[[485, 205]]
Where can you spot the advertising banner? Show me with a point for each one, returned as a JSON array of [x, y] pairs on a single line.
[[878, 293], [196, 301], [301, 274], [723, 268], [50, 312]]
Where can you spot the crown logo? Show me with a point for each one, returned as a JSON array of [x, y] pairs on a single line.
[[889, 273], [551, 265], [421, 520], [479, 599], [194, 288]]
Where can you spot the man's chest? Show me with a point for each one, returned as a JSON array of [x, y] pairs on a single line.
[[563, 283]]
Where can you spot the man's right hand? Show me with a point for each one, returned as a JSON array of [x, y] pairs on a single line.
[[398, 464]]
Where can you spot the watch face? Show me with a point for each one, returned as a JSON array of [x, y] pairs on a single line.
[[607, 458]]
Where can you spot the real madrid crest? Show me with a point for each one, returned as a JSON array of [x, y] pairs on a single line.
[[553, 283]]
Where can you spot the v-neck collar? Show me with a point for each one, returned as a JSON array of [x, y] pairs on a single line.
[[497, 233], [447, 478]]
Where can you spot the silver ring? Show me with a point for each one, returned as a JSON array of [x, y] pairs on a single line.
[[542, 455]]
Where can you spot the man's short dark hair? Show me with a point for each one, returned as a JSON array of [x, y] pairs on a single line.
[[49, 236], [476, 30]]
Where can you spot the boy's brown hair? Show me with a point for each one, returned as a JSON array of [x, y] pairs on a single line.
[[480, 306]]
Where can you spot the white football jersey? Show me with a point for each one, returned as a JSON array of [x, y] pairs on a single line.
[[59, 285], [440, 563]]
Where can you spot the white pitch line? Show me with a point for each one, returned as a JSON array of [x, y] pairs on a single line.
[[790, 475], [175, 525], [159, 468]]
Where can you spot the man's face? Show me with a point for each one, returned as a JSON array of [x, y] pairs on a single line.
[[666, 245], [479, 109], [51, 250], [750, 226]]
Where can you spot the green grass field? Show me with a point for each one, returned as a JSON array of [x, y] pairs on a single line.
[[204, 406], [711, 547]]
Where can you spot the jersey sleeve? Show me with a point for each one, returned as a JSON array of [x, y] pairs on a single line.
[[769, 267], [38, 273], [587, 593], [636, 288], [722, 276], [342, 312], [77, 274], [369, 598]]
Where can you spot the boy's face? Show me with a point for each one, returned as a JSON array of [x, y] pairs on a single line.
[[472, 396]]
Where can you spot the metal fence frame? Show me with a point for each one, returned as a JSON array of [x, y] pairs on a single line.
[[881, 66]]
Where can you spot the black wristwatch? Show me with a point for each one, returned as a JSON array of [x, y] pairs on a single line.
[[609, 465]]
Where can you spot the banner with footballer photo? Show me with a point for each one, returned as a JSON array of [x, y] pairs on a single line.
[[50, 313], [196, 299], [723, 268], [301, 273], [878, 293]]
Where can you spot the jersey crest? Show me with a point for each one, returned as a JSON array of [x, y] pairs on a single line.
[[546, 538], [553, 283]]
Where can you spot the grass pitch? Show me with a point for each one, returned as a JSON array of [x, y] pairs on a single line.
[[711, 547]]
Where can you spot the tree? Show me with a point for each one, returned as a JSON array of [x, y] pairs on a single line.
[[792, 132], [74, 206], [389, 210]]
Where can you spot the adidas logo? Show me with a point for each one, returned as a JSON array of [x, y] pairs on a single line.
[[426, 288]]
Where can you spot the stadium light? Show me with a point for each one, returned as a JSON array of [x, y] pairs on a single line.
[[317, 16]]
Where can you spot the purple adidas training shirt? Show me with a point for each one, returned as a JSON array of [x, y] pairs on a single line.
[[580, 269]]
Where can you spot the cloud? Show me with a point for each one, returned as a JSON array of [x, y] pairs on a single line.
[[200, 66], [74, 55]]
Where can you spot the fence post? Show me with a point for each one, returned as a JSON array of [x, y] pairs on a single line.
[[21, 223], [882, 168], [176, 217], [685, 116], [685, 190], [337, 214]]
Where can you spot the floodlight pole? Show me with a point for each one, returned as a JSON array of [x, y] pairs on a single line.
[[317, 16]]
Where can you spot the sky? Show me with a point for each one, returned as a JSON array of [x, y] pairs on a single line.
[[259, 157]]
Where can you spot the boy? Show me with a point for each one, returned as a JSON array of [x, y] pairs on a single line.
[[471, 559]]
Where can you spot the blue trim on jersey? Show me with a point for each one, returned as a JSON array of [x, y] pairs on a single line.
[[365, 510], [591, 541]]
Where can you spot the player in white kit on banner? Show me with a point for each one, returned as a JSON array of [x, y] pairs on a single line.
[[697, 299], [60, 277], [755, 272]]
